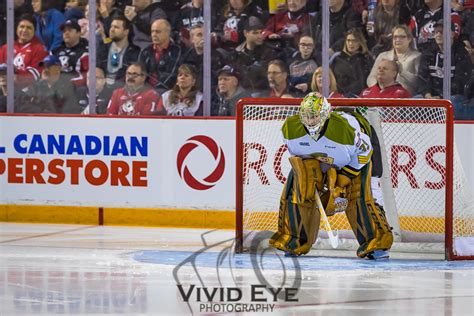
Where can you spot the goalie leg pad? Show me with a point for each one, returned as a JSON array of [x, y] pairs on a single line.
[[368, 220], [298, 223], [307, 176]]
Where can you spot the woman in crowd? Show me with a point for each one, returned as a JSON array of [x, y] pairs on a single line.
[[407, 58], [352, 65], [184, 99], [303, 65], [317, 83], [387, 15], [48, 22]]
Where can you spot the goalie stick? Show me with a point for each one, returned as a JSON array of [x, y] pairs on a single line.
[[333, 238]]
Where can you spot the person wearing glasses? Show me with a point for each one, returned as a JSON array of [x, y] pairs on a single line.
[[116, 56], [135, 98], [277, 76], [404, 54], [303, 64], [73, 53], [103, 94], [387, 14], [352, 65]]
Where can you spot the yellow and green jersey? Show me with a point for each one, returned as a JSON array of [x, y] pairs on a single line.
[[343, 143]]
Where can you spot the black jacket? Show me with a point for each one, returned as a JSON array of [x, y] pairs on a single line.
[[431, 71], [339, 23], [166, 70], [130, 56], [351, 72]]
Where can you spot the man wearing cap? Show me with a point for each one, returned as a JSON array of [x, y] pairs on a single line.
[[73, 53], [229, 91], [28, 52], [52, 94], [431, 72], [253, 55]]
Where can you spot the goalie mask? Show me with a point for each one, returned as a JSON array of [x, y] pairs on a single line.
[[314, 111]]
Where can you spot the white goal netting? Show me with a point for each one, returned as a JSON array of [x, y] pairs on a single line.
[[418, 196]]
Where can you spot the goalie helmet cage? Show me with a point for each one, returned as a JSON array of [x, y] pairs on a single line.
[[425, 191]]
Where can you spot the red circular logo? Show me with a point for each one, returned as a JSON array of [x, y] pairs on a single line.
[[216, 151]]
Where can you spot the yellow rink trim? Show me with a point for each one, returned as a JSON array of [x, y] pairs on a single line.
[[49, 214], [118, 216], [192, 218], [408, 223]]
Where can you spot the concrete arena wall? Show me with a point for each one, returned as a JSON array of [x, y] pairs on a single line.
[[121, 171]]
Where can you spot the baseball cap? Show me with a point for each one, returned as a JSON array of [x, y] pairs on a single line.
[[439, 23], [229, 71], [71, 24], [253, 23], [50, 60]]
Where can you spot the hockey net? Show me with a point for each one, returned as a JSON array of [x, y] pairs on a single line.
[[426, 195]]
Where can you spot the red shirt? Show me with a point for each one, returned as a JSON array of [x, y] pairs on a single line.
[[394, 91], [26, 61], [283, 25], [143, 102]]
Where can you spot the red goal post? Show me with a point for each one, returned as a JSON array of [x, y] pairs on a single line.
[[426, 193]]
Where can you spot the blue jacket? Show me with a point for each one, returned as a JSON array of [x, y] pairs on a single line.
[[49, 32]]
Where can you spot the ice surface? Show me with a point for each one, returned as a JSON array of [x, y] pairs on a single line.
[[68, 269]]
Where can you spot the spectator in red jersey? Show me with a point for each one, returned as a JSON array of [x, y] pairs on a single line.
[[28, 52], [135, 98], [317, 83], [386, 86], [287, 25]]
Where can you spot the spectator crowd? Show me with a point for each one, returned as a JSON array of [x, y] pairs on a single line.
[[150, 53]]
